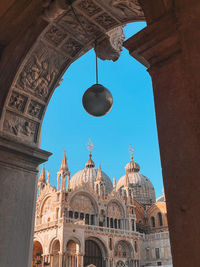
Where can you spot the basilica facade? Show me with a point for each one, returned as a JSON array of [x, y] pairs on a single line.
[[88, 220]]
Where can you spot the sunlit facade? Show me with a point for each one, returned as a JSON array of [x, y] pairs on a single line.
[[87, 219]]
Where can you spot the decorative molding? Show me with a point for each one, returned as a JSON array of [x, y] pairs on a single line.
[[38, 76], [111, 46], [54, 35], [17, 101], [19, 126], [35, 109]]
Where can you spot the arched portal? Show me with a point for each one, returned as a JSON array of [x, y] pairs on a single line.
[[71, 256], [93, 254], [55, 253], [37, 254]]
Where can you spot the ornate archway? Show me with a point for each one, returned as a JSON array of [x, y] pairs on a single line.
[[37, 254], [169, 45], [93, 254], [55, 249]]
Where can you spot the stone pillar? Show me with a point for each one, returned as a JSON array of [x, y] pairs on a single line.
[[18, 188], [60, 259], [170, 49]]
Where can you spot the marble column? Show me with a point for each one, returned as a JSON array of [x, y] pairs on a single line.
[[18, 187], [170, 49]]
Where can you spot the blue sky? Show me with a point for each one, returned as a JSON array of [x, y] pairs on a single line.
[[131, 120]]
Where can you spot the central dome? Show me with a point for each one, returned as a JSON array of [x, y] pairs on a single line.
[[88, 176]]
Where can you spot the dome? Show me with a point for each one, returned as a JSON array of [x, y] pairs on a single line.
[[88, 175], [143, 189]]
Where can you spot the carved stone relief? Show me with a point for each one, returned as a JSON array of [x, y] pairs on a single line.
[[55, 36], [114, 211], [21, 127], [83, 33], [83, 204], [17, 101], [111, 46], [35, 109], [39, 73], [106, 21], [89, 7], [71, 47]]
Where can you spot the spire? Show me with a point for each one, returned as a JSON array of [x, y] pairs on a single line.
[[99, 173], [42, 178], [114, 184], [126, 180], [90, 162], [48, 179], [64, 166]]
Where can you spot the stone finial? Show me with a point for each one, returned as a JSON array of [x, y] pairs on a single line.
[[111, 46], [126, 180], [48, 177], [63, 166], [42, 178], [99, 174], [114, 184]]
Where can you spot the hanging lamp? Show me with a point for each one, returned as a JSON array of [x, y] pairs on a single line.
[[97, 100]]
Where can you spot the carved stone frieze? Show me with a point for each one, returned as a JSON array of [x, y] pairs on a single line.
[[20, 127], [35, 109], [40, 72], [54, 35], [82, 33], [71, 47], [106, 21], [17, 101], [111, 46], [89, 7]]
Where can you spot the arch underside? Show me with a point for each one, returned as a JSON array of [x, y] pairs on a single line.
[[61, 43]]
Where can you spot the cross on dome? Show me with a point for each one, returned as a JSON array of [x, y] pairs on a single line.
[[131, 151], [90, 146]]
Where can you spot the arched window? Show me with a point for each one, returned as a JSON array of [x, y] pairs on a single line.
[[119, 224], [153, 222], [81, 215], [87, 216], [111, 223], [92, 219], [70, 214], [160, 220], [115, 223], [75, 215]]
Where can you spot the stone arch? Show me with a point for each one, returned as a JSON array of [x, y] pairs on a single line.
[[55, 249], [87, 195], [51, 242], [118, 204], [100, 243], [95, 252], [37, 253], [75, 239], [72, 252], [124, 249], [49, 57]]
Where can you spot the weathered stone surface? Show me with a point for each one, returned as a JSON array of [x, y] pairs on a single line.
[[111, 46]]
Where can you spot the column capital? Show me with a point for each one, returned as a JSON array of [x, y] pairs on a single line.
[[155, 43], [18, 155]]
